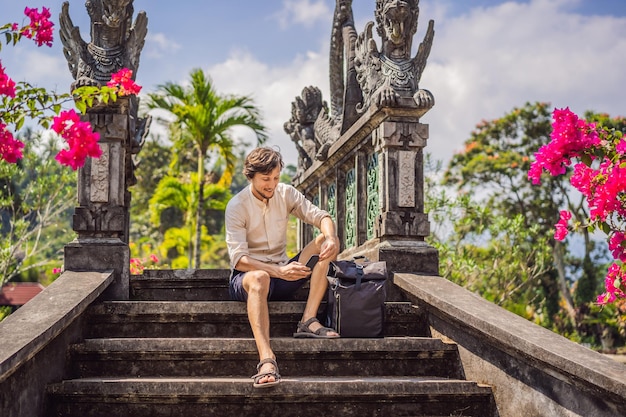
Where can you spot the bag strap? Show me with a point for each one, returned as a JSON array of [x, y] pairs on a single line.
[[359, 276], [360, 258]]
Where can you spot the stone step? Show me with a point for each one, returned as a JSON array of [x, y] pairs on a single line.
[[199, 357], [295, 396], [201, 285], [222, 319], [181, 285]]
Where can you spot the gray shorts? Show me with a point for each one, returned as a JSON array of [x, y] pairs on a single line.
[[280, 289]]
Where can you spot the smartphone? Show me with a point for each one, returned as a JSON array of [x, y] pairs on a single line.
[[312, 261]]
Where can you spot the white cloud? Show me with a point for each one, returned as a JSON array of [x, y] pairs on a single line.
[[159, 45], [273, 88], [302, 12], [482, 65], [41, 69], [487, 62]]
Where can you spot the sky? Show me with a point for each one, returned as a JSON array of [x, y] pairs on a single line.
[[488, 56]]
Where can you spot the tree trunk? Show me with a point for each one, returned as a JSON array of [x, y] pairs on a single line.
[[198, 235], [563, 287]]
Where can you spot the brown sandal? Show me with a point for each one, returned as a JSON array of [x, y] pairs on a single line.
[[304, 331], [260, 374]]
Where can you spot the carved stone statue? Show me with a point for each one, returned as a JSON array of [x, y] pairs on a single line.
[[390, 74], [327, 126], [116, 43], [360, 74], [300, 127]]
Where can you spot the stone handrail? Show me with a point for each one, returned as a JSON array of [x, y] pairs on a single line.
[[535, 372], [35, 339]]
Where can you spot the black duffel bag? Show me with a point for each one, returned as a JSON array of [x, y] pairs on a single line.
[[356, 298]]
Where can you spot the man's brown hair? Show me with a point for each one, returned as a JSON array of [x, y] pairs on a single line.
[[262, 160]]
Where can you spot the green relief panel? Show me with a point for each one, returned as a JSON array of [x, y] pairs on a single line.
[[332, 201], [373, 205], [350, 224]]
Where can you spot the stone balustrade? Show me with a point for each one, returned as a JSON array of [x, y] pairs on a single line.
[[372, 184]]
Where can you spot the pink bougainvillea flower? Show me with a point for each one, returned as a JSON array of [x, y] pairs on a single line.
[[616, 245], [7, 85], [584, 179], [605, 189], [123, 81], [136, 266], [621, 147], [82, 140], [154, 258], [570, 136], [40, 28], [561, 226], [613, 285], [10, 148]]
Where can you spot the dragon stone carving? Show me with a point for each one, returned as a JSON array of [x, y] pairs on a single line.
[[304, 112], [386, 75], [328, 125], [116, 41], [361, 75]]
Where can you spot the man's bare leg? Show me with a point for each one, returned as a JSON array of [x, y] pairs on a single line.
[[318, 284], [257, 285]]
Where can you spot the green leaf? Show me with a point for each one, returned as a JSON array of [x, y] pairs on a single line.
[[19, 123], [586, 159], [605, 228], [81, 106]]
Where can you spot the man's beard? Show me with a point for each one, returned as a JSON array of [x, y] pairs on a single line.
[[263, 195]]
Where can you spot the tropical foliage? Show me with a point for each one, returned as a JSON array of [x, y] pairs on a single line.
[[500, 243], [204, 121]]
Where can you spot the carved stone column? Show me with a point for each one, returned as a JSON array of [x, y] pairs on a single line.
[[369, 155], [101, 219], [403, 224]]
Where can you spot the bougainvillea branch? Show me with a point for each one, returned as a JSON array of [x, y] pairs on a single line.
[[598, 157]]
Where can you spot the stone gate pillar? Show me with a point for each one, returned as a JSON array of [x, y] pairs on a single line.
[[402, 222], [362, 159], [101, 219]]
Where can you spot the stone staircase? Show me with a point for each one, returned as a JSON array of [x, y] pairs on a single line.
[[179, 348]]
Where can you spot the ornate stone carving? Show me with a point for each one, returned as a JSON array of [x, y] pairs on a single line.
[[103, 183], [116, 42], [331, 204], [373, 196], [100, 176], [350, 225], [390, 74], [329, 124], [406, 180], [304, 112]]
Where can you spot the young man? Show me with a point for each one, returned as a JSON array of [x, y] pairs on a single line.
[[256, 235]]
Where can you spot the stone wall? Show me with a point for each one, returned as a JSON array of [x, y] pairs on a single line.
[[534, 371], [35, 340]]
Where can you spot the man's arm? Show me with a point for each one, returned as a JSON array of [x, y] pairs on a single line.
[[291, 272], [330, 247]]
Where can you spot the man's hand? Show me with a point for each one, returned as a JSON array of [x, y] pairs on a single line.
[[294, 271], [330, 248]]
